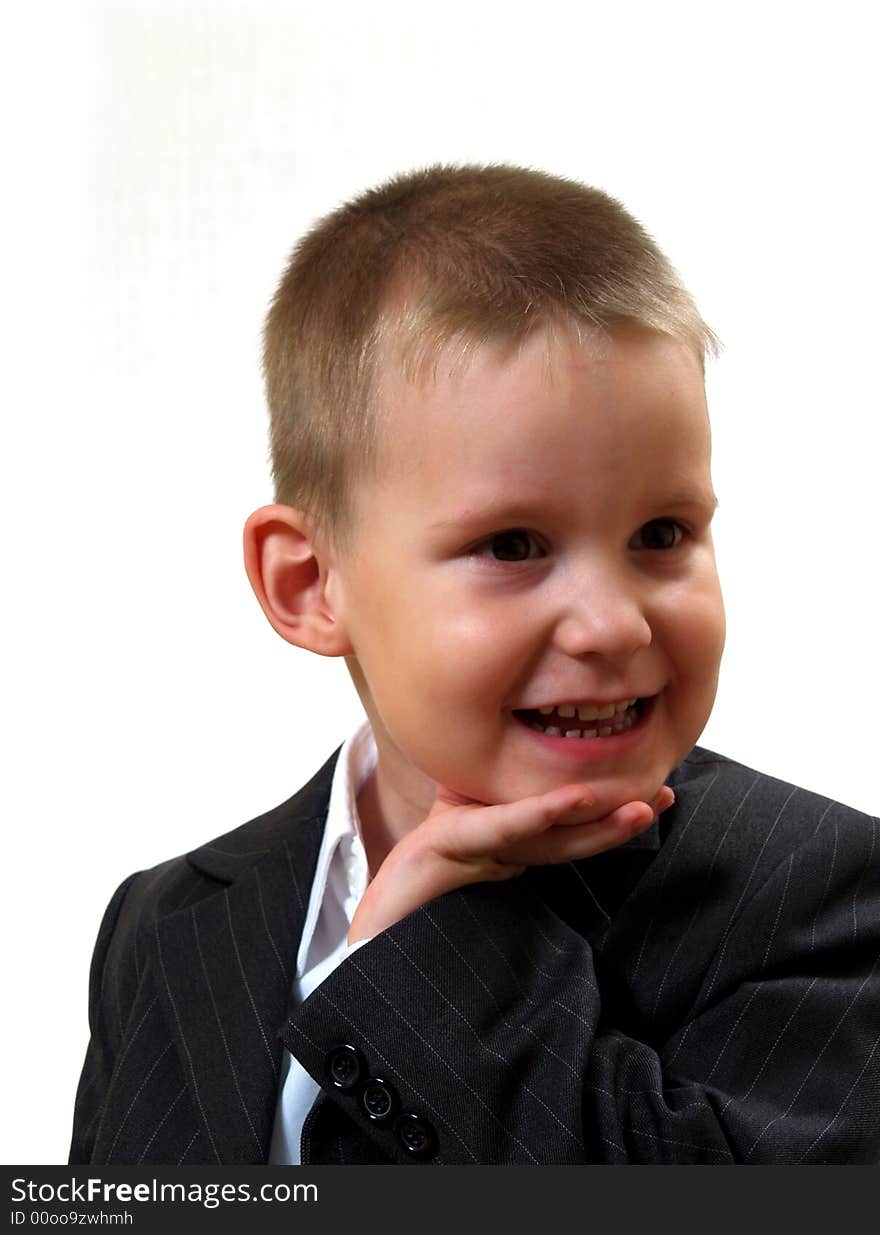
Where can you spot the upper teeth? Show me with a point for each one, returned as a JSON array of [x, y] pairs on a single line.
[[588, 712]]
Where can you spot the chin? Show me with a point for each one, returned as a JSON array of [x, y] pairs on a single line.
[[638, 784]]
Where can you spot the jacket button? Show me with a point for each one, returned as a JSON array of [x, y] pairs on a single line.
[[379, 1100], [415, 1135], [345, 1067]]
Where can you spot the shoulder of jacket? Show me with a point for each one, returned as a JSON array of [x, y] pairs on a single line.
[[763, 817], [183, 880]]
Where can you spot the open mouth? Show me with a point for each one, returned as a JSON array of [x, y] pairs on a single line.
[[573, 728]]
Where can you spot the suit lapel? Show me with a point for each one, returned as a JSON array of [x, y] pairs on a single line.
[[225, 966]]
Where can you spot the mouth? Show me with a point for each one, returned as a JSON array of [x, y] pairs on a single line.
[[594, 738]]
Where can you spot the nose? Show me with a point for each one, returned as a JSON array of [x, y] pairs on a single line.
[[604, 616]]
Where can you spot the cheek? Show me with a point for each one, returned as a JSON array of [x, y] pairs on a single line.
[[695, 629], [466, 653], [463, 670], [712, 633], [697, 657]]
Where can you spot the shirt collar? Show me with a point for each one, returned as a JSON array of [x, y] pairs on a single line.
[[356, 761]]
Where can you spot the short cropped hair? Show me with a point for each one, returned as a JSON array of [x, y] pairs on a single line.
[[469, 253]]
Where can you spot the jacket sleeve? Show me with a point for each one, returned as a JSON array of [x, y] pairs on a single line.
[[101, 1051], [486, 1014]]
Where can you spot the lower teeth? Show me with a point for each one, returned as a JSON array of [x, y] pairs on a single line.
[[602, 731]]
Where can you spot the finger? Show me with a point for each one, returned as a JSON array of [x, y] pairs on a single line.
[[661, 801], [575, 841], [568, 796], [469, 833]]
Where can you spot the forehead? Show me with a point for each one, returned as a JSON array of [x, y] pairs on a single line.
[[515, 408]]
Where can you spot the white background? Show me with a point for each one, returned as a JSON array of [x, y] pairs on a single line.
[[165, 158]]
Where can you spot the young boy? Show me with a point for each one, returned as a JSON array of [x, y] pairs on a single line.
[[480, 933]]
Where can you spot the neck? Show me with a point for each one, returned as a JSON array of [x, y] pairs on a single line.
[[387, 813], [397, 797]]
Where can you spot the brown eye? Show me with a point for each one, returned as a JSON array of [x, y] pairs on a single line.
[[508, 546], [662, 534]]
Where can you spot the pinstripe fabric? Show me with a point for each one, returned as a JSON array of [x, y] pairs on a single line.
[[707, 993]]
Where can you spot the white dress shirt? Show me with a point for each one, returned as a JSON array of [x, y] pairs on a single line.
[[340, 882]]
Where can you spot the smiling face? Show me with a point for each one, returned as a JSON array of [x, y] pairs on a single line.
[[540, 533]]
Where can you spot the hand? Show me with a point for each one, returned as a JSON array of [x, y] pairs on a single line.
[[462, 841]]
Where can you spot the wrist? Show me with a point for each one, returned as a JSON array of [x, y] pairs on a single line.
[[391, 894]]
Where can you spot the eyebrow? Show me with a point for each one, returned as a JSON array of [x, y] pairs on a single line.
[[512, 510]]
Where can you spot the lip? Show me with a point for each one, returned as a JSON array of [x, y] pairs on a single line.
[[586, 750]]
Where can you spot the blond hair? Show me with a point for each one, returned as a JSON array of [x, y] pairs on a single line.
[[468, 252]]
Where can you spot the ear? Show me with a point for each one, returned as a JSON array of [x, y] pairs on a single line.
[[288, 571]]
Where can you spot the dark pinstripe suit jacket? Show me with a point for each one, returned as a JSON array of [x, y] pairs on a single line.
[[707, 993]]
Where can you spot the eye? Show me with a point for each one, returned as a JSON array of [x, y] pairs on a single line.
[[668, 529], [511, 545]]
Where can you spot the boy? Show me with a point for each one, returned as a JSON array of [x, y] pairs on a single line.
[[481, 933]]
